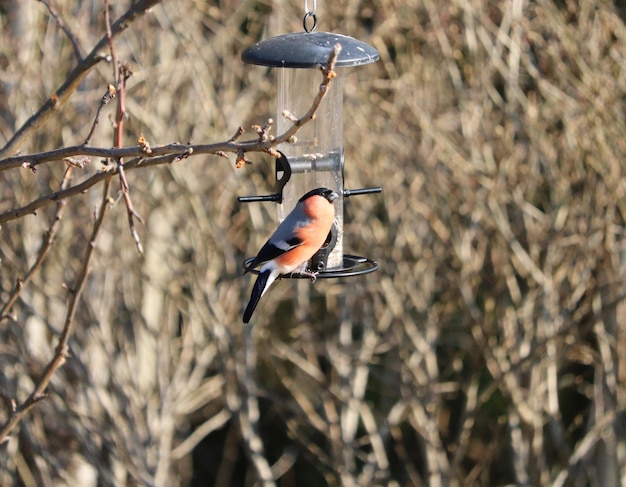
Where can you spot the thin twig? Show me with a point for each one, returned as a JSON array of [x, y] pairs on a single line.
[[33, 160], [130, 210], [237, 135], [158, 155], [232, 145], [61, 350], [53, 197], [60, 355], [106, 98], [46, 244], [75, 78], [70, 35], [249, 412], [585, 446], [109, 31], [122, 73]]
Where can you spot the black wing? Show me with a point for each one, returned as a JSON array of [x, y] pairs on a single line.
[[270, 251]]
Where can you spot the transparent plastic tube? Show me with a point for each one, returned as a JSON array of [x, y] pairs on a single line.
[[316, 156]]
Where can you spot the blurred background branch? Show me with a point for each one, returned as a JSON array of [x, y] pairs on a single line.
[[486, 350]]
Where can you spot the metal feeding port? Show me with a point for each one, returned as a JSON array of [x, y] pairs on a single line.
[[315, 156]]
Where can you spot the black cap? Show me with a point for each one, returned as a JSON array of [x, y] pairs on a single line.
[[308, 50]]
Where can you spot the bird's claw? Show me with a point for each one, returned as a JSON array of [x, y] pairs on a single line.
[[309, 274]]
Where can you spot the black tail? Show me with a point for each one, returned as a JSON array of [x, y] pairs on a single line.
[[257, 291]]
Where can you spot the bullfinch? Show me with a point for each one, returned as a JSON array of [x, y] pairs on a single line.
[[295, 241]]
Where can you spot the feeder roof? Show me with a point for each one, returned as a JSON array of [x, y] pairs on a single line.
[[308, 50]]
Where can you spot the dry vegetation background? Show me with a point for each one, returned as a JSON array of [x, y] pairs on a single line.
[[489, 348]]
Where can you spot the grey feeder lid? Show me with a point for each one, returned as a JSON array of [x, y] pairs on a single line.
[[308, 50]]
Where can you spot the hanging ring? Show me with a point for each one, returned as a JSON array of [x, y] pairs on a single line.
[[309, 13], [305, 21]]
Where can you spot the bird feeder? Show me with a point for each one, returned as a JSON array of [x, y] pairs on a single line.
[[315, 156]]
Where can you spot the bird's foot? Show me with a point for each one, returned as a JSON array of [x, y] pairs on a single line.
[[309, 274]]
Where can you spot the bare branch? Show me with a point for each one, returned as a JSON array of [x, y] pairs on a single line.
[[237, 135], [232, 145], [130, 210], [114, 60], [74, 79], [123, 73], [61, 350], [106, 98], [160, 155], [70, 35], [43, 251], [249, 412]]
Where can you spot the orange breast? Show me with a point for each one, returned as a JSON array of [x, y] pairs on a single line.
[[322, 214]]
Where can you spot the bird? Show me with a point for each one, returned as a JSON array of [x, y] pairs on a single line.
[[298, 237]]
